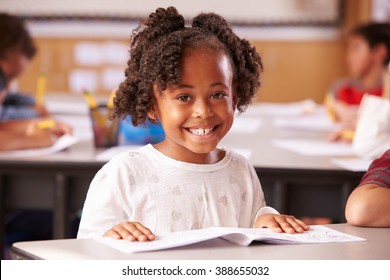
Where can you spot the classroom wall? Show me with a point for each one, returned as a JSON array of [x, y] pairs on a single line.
[[297, 70], [294, 70]]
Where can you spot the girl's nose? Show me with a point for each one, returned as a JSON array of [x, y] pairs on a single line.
[[202, 109]]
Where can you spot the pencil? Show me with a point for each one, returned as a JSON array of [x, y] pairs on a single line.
[[98, 119], [112, 124], [90, 100], [46, 124], [347, 134], [110, 102], [330, 110], [40, 93]]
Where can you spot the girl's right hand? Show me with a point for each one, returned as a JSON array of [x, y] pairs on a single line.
[[131, 231]]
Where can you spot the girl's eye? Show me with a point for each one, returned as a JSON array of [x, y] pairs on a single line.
[[217, 95], [184, 98]]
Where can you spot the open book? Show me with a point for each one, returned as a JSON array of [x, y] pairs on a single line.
[[240, 236]]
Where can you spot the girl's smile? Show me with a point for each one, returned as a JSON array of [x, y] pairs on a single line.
[[201, 131]]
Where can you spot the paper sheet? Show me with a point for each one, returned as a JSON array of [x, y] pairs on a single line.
[[314, 147], [292, 109], [352, 164], [62, 143], [240, 236], [320, 123], [245, 125]]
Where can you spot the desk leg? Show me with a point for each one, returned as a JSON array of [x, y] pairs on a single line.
[[280, 196], [60, 199]]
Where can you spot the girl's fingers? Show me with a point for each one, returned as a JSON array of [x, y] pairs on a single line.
[[112, 233], [147, 232], [302, 224], [130, 232], [290, 224]]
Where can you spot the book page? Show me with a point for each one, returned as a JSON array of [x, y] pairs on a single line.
[[316, 234], [353, 164], [246, 125], [170, 240], [240, 236]]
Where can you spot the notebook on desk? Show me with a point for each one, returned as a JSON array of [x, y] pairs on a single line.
[[239, 236]]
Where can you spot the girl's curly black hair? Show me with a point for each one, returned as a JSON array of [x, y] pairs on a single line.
[[156, 49]]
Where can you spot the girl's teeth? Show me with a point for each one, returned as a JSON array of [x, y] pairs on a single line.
[[202, 131]]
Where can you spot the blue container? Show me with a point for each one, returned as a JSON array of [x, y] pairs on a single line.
[[139, 135]]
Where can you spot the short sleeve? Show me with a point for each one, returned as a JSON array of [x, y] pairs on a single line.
[[378, 172]]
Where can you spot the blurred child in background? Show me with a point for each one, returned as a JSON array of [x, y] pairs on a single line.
[[16, 51], [368, 53], [22, 124]]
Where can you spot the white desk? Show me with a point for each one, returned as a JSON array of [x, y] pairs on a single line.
[[376, 247]]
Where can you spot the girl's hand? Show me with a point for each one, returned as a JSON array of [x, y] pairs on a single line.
[[131, 231], [281, 223]]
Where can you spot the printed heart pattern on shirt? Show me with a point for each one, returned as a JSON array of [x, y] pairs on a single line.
[[176, 190], [154, 179], [131, 180], [232, 179], [176, 215], [223, 200]]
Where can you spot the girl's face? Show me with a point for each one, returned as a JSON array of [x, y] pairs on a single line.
[[360, 57], [197, 113]]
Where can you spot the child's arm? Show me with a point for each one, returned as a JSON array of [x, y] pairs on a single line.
[[369, 205], [280, 223], [131, 231], [27, 134]]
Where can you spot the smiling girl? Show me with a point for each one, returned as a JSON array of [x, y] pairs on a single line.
[[191, 79]]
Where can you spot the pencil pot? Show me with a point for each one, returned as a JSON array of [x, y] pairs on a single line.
[[139, 135], [105, 131]]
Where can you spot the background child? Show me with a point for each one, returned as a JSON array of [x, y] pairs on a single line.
[[17, 130], [16, 51], [191, 79], [369, 204], [368, 53]]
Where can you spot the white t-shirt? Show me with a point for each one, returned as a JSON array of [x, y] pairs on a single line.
[[167, 195]]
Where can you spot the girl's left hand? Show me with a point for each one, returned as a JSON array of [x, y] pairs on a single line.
[[281, 223]]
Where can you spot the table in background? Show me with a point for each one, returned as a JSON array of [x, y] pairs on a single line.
[[375, 248]]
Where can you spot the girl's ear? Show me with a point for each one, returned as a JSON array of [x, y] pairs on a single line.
[[235, 101], [153, 115]]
